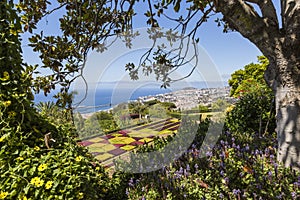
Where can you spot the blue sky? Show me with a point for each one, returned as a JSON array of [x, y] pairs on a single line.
[[227, 52]]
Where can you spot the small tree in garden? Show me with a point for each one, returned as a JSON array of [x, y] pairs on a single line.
[[255, 110]]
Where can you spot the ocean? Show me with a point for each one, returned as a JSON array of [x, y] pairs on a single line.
[[103, 99], [106, 97]]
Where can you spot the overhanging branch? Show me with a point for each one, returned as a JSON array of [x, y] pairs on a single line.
[[242, 17], [268, 12]]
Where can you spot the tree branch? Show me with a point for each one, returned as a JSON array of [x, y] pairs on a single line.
[[241, 16], [268, 12], [290, 18]]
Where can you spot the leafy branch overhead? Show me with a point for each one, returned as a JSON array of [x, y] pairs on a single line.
[[84, 26], [87, 25]]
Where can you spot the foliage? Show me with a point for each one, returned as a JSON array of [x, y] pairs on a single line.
[[248, 79], [203, 108], [54, 113], [255, 110], [38, 157], [252, 113], [84, 25], [168, 105], [219, 105], [98, 123]]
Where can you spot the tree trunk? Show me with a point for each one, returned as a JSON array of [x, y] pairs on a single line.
[[287, 100], [280, 43], [288, 125]]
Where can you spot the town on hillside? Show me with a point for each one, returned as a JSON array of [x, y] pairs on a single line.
[[189, 98]]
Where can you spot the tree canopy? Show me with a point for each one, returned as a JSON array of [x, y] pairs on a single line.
[[244, 80]]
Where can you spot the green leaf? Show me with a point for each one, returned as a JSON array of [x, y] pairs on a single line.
[[177, 5]]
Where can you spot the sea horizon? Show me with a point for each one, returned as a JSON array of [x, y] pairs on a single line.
[[108, 95]]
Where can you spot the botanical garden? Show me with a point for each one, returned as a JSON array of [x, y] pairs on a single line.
[[42, 156]]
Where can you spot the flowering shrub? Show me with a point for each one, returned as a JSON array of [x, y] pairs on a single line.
[[39, 158], [238, 167], [64, 171]]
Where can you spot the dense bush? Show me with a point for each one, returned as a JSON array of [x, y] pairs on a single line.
[[39, 158], [252, 112]]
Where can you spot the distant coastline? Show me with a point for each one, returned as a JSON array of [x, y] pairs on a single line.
[[107, 95]]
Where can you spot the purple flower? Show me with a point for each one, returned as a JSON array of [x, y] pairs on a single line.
[[187, 167], [270, 173], [247, 147], [258, 186], [297, 184], [131, 182], [222, 173], [222, 155], [267, 150], [180, 170], [236, 192], [196, 166], [294, 195], [221, 196], [209, 154], [226, 180]]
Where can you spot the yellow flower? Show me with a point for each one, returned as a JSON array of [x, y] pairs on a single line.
[[12, 113], [37, 182], [2, 138], [104, 190], [36, 148], [20, 158], [3, 195], [80, 195], [78, 158], [5, 76], [48, 185], [7, 103], [97, 168], [230, 108], [42, 167], [24, 198]]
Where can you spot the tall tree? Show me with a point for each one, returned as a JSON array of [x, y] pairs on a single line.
[[86, 24], [278, 38], [281, 45]]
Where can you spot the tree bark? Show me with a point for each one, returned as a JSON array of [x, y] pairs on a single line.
[[287, 100], [288, 125]]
